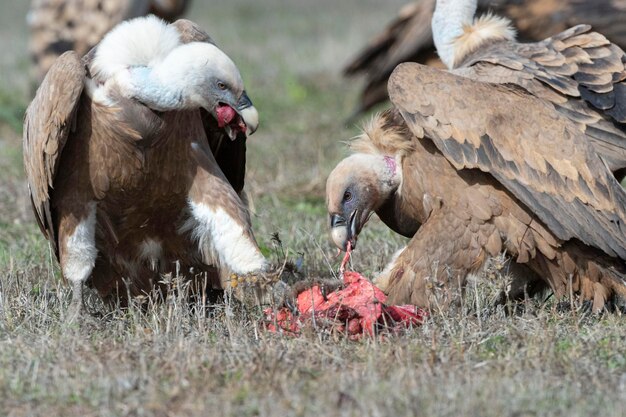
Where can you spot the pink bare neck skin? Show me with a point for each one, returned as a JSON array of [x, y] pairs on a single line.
[[391, 164]]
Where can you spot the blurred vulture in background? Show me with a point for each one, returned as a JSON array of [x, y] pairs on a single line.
[[469, 170], [409, 36], [135, 159], [57, 26]]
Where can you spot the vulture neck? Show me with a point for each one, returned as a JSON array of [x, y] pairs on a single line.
[[147, 86], [403, 210], [449, 20], [388, 171], [398, 215]]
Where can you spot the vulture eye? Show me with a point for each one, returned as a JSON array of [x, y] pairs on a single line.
[[221, 85], [347, 196]]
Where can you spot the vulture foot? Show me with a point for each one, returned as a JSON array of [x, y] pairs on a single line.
[[77, 314], [259, 288]]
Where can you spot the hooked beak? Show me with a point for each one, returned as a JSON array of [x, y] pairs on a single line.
[[248, 113], [342, 231]]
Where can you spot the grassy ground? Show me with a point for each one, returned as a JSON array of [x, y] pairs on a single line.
[[176, 359]]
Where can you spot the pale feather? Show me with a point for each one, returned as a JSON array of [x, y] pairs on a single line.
[[376, 138], [144, 41], [485, 29]]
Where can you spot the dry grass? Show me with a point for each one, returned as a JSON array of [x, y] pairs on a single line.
[[188, 359]]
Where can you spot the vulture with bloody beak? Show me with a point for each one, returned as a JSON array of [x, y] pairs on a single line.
[[135, 160], [469, 170]]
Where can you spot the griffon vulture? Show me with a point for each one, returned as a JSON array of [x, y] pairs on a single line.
[[469, 170], [135, 157], [579, 72], [408, 38], [57, 26]]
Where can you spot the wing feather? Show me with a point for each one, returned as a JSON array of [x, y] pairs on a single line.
[[48, 121], [191, 32], [580, 72], [536, 153]]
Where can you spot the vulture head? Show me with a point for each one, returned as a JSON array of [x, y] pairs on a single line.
[[358, 186], [203, 77], [171, 75]]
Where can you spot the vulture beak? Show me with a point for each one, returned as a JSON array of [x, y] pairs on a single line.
[[248, 113], [241, 118], [342, 231]]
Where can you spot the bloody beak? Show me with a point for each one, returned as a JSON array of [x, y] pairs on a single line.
[[343, 231], [243, 118]]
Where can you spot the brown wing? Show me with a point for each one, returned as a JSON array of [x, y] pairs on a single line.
[[408, 37], [47, 123], [537, 154], [191, 32], [230, 155], [580, 72]]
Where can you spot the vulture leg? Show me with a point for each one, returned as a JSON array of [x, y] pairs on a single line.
[[436, 260], [74, 311], [77, 249], [525, 283], [225, 236]]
